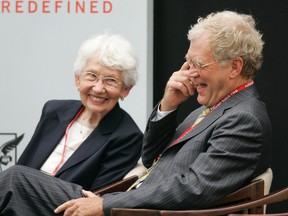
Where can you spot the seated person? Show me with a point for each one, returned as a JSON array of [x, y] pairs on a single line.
[[92, 142], [194, 164]]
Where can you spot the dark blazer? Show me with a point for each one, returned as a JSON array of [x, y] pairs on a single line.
[[222, 153], [111, 150]]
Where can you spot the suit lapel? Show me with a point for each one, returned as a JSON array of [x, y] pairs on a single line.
[[54, 127], [213, 116], [206, 122], [99, 137]]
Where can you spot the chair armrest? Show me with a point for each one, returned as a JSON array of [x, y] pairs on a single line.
[[278, 196], [121, 185], [133, 212]]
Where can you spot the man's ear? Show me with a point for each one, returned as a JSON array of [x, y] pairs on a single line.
[[237, 65]]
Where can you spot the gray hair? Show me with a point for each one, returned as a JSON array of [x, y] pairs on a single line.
[[111, 51], [232, 35]]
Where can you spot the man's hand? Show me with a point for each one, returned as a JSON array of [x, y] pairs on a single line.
[[90, 205], [179, 88]]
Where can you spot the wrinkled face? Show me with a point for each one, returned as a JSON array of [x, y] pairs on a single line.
[[100, 87], [212, 82]]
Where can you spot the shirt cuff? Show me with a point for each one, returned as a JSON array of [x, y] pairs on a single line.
[[161, 114]]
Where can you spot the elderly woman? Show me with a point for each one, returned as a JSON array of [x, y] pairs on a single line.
[[92, 142]]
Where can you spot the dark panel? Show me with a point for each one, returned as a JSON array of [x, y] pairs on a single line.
[[172, 19]]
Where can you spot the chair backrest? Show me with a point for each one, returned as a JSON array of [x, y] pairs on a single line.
[[139, 170], [247, 193], [275, 197], [258, 187], [267, 177]]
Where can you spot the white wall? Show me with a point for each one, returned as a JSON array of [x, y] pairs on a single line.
[[37, 52]]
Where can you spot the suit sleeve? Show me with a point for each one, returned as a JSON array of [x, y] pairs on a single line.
[[157, 136]]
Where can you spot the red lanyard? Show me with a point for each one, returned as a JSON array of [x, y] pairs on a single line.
[[240, 88], [65, 141]]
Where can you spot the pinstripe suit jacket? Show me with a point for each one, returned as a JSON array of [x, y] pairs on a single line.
[[222, 153]]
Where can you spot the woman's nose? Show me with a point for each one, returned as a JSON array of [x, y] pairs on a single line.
[[99, 86]]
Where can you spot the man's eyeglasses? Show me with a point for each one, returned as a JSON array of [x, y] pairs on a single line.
[[198, 65], [94, 78]]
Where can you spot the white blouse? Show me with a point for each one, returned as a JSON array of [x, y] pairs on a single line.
[[77, 133]]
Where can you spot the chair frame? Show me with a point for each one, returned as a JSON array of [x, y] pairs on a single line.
[[252, 191], [119, 186], [278, 196], [255, 190]]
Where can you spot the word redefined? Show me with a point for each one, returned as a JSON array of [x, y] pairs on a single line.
[[55, 6]]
